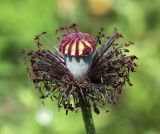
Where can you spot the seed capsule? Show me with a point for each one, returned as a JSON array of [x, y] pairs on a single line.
[[78, 50]]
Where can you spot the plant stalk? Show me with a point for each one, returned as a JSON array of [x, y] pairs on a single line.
[[88, 121]]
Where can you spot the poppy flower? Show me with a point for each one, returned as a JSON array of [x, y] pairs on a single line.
[[78, 73]]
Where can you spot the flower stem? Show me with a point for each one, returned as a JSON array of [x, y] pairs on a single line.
[[88, 121]]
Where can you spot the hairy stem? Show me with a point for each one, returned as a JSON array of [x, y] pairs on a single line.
[[88, 121]]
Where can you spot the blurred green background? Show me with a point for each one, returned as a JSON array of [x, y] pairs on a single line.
[[21, 112]]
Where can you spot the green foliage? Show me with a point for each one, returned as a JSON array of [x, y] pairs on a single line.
[[138, 109]]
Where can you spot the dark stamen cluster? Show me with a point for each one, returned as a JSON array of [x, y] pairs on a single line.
[[106, 79]]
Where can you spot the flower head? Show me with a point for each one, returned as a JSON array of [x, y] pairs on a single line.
[[75, 75]]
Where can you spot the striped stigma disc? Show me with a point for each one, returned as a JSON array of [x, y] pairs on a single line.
[[77, 44]]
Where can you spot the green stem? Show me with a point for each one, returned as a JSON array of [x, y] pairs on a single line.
[[88, 121]]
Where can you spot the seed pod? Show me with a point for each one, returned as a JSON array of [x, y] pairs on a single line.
[[78, 49]]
